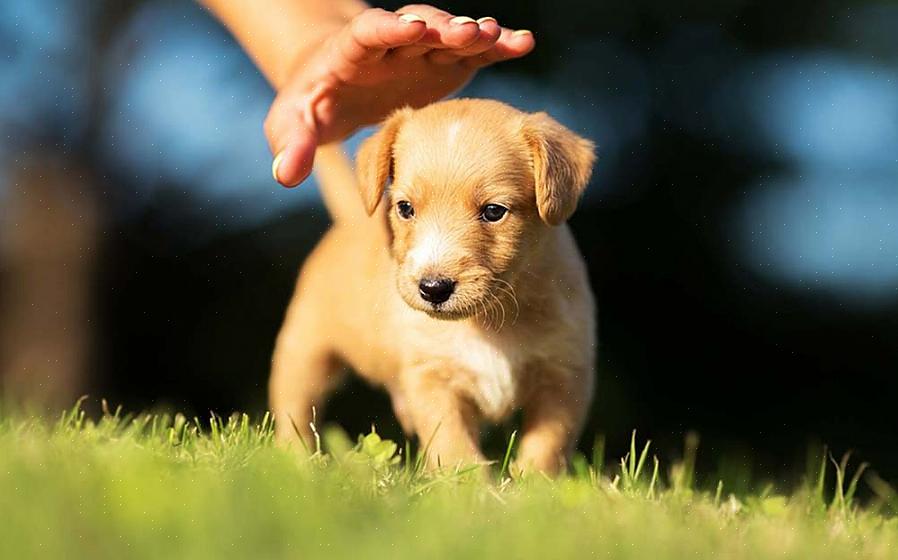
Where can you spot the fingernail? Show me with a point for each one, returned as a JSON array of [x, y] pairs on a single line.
[[410, 18], [483, 20], [275, 164], [461, 20], [520, 32]]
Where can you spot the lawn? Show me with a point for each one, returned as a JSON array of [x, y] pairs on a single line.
[[154, 486]]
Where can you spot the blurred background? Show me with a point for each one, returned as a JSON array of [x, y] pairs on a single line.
[[741, 228]]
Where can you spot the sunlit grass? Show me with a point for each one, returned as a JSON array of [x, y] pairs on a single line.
[[154, 486]]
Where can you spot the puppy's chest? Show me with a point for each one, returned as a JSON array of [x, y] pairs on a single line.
[[491, 372]]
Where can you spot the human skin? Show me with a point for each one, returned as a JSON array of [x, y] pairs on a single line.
[[338, 65]]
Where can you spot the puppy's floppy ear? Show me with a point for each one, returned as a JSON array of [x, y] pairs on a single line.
[[562, 164], [374, 161]]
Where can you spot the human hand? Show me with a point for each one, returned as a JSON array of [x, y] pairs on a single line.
[[377, 62]]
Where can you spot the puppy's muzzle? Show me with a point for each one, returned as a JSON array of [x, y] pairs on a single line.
[[436, 290]]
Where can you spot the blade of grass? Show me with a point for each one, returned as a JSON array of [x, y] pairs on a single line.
[[507, 459]]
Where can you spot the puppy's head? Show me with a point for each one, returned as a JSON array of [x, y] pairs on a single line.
[[473, 185]]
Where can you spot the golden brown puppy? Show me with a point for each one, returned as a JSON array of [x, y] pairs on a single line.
[[459, 288]]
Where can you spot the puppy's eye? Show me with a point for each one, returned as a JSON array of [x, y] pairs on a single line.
[[492, 212], [405, 210]]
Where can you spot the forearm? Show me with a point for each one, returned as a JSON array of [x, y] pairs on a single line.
[[275, 32]]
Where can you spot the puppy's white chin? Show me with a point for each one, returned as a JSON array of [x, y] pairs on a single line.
[[447, 314], [442, 312]]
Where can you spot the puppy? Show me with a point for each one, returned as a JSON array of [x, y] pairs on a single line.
[[454, 283]]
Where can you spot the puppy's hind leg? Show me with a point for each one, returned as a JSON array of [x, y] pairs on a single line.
[[304, 369]]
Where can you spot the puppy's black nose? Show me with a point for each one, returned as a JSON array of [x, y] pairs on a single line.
[[436, 290]]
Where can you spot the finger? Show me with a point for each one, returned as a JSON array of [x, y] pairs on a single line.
[[489, 35], [374, 31], [294, 163], [511, 44], [293, 136], [444, 30]]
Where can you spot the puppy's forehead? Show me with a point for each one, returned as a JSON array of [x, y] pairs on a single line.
[[460, 143]]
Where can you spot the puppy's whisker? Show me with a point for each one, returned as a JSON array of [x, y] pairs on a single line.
[[517, 308], [511, 295], [485, 317], [493, 316], [501, 307], [506, 287], [493, 300], [497, 325]]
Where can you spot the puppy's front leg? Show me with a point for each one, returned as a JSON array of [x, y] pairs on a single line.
[[553, 418], [444, 420]]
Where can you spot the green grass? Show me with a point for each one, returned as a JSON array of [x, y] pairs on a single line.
[[155, 486]]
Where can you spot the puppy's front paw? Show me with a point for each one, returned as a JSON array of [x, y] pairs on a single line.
[[551, 464]]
